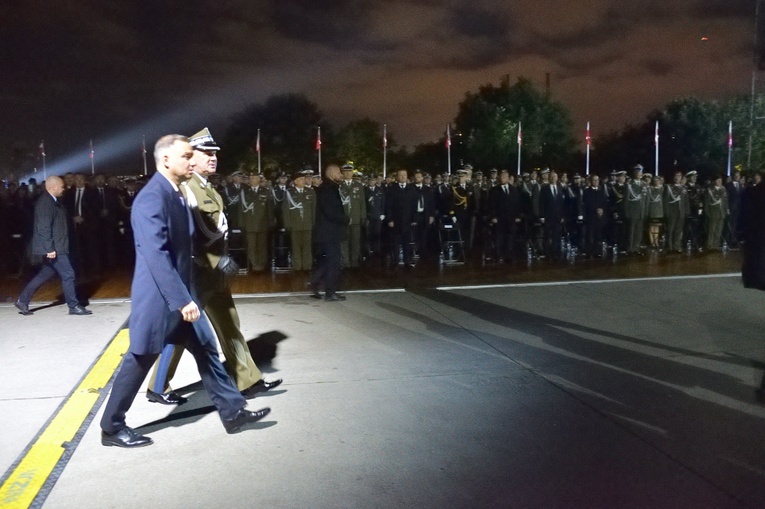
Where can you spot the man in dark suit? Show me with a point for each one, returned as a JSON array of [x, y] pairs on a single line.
[[375, 197], [162, 308], [398, 214], [82, 203], [735, 190], [330, 230], [51, 241], [423, 213], [504, 214], [552, 213]]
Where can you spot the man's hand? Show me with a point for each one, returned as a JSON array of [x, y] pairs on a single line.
[[51, 255], [190, 312], [390, 224]]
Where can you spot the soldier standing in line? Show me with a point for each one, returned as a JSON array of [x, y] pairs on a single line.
[[232, 193], [279, 242], [675, 211], [655, 212], [298, 211], [634, 210], [256, 218], [375, 199], [354, 202], [504, 211], [617, 203], [695, 210], [463, 207], [715, 211]]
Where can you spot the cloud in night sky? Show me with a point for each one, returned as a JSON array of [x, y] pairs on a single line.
[[76, 70]]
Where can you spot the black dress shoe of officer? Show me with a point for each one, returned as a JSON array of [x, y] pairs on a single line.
[[243, 418], [334, 297], [125, 437], [79, 310], [168, 398], [23, 308], [260, 386]]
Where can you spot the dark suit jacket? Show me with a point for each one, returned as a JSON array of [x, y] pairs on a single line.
[[552, 209], [399, 206], [424, 196], [50, 226], [331, 220], [505, 207], [162, 277]]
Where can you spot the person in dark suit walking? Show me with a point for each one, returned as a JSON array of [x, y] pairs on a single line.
[[330, 230], [51, 241], [162, 308]]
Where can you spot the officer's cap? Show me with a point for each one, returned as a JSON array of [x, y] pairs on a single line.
[[691, 173], [347, 167], [203, 140]]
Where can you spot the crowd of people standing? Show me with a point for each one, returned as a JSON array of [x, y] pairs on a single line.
[[408, 217]]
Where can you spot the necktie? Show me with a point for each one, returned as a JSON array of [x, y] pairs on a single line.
[[505, 188], [78, 201], [103, 202]]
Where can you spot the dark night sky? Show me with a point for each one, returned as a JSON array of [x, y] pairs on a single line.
[[72, 71]]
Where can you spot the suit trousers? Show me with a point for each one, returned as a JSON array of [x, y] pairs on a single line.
[[198, 339], [329, 265], [60, 265]]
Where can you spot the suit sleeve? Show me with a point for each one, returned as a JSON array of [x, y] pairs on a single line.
[[149, 220], [43, 223]]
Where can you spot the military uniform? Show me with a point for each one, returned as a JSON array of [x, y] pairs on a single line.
[[715, 212], [634, 212], [675, 211], [695, 212], [256, 218], [355, 205], [299, 211]]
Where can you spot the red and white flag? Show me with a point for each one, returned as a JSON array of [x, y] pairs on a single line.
[[448, 137], [587, 136], [520, 135], [318, 139], [42, 148], [92, 152], [385, 136], [257, 143]]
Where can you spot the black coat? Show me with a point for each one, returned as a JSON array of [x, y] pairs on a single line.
[[753, 237], [504, 207], [399, 204], [331, 220], [50, 230], [552, 208]]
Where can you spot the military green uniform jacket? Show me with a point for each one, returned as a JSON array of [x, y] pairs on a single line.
[[299, 209], [210, 224], [257, 210], [675, 200], [354, 202], [634, 200], [716, 203]]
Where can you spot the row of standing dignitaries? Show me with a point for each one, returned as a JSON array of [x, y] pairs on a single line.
[[542, 214]]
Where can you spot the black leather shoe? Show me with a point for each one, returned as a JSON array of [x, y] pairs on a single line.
[[334, 297], [23, 308], [79, 310], [260, 386], [244, 417], [168, 398], [125, 437]]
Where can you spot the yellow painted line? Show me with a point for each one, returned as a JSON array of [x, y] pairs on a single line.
[[24, 483]]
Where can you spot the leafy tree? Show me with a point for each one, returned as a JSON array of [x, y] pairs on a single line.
[[488, 123], [287, 126], [360, 141]]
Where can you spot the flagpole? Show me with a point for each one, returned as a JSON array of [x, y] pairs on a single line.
[[520, 143], [656, 143], [318, 145], [257, 149], [92, 159], [448, 151], [143, 149], [730, 143], [587, 137], [385, 150]]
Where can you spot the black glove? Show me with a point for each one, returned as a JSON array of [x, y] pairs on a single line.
[[228, 266]]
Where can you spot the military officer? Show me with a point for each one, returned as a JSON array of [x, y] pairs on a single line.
[[257, 217], [715, 212], [634, 210], [675, 211], [695, 210], [298, 211], [354, 202], [375, 198]]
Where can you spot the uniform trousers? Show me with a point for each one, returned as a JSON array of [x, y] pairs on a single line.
[[257, 249], [302, 251], [351, 248]]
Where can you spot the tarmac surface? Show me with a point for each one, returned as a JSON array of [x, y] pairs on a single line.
[[639, 393]]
